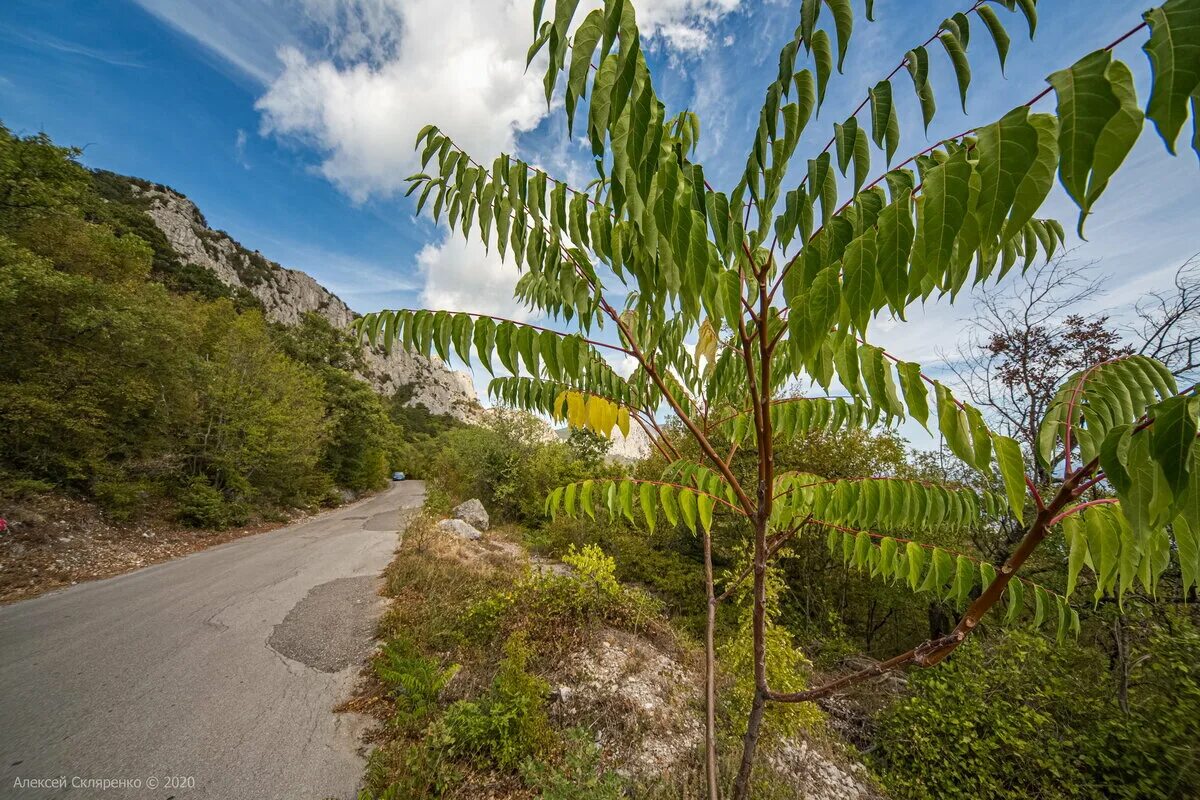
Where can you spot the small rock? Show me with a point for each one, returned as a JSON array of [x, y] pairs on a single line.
[[473, 513], [459, 528]]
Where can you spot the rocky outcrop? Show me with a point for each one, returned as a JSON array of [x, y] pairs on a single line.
[[287, 295], [457, 527], [633, 447], [473, 513]]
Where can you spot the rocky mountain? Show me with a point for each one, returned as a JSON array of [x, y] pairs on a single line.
[[287, 294], [622, 449]]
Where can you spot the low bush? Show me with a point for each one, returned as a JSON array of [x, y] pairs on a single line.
[[433, 587], [414, 681], [555, 607], [202, 505], [509, 724], [666, 562], [124, 499], [407, 769], [509, 464], [577, 775]]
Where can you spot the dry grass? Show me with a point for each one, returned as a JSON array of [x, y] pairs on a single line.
[[616, 667]]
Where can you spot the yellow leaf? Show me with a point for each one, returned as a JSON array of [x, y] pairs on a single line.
[[706, 347]]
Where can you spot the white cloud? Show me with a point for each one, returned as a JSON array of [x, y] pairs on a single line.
[[463, 276], [243, 35], [239, 149], [391, 66], [460, 65], [623, 365], [355, 80]]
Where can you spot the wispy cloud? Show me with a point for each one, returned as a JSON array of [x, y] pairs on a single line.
[[239, 149], [110, 57], [246, 35]]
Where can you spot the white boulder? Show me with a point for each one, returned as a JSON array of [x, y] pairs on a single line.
[[473, 513], [459, 528]]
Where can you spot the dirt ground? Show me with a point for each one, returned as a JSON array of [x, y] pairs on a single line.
[[54, 541]]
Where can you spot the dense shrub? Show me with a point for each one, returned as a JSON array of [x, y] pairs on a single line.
[[407, 769], [665, 562], [202, 505], [553, 606], [578, 774], [414, 681], [509, 463], [1018, 717]]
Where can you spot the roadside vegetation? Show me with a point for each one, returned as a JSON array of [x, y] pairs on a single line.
[[754, 315], [148, 387], [475, 639]]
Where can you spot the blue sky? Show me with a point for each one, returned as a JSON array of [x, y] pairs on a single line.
[[290, 122]]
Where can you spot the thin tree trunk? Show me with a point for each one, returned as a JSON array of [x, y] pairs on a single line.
[[741, 787], [1122, 663], [710, 677]]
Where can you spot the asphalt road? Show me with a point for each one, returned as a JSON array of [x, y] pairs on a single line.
[[211, 676]]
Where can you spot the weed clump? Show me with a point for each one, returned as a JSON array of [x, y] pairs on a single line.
[[509, 724], [555, 607]]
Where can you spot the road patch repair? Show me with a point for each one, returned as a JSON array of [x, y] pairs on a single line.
[[333, 627]]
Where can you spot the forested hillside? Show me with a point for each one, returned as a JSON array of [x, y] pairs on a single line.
[[141, 381]]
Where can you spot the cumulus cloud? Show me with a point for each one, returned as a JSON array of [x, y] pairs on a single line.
[[453, 62], [388, 67], [353, 81], [463, 276]]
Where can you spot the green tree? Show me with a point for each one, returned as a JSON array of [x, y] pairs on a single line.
[[37, 177], [261, 415], [363, 441], [93, 378], [780, 285]]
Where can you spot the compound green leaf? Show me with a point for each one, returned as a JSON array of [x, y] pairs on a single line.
[[945, 195], [1172, 438], [1174, 52], [914, 559], [647, 499], [1012, 470], [881, 111], [958, 59], [823, 59], [1098, 124], [1007, 150], [843, 21], [996, 29]]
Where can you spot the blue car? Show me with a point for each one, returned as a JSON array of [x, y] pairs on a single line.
[[398, 476]]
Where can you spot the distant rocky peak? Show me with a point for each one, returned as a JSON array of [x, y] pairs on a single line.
[[287, 295]]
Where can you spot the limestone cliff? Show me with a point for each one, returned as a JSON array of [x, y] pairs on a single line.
[[287, 294]]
